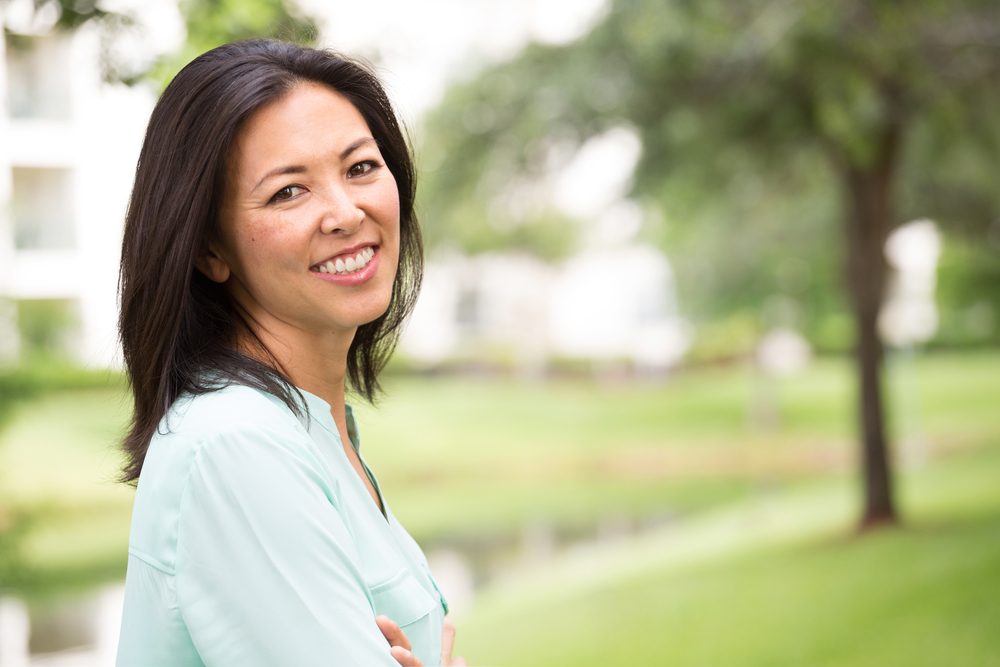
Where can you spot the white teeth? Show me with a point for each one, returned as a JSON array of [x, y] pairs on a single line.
[[350, 265]]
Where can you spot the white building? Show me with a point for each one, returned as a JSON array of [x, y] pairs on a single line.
[[614, 302], [69, 143], [68, 148], [610, 306]]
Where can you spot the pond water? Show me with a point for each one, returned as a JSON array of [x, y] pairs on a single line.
[[78, 630]]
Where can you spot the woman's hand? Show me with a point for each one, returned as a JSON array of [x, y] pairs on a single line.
[[397, 640], [401, 645], [447, 642]]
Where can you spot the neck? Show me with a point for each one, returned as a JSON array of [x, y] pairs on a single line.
[[313, 362]]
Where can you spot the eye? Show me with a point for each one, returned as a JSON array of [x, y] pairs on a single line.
[[362, 168], [286, 193]]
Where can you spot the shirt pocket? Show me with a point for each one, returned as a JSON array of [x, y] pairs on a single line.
[[402, 599]]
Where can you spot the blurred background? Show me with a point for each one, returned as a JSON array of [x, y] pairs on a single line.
[[706, 367]]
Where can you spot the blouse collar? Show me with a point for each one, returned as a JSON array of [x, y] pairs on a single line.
[[319, 410]]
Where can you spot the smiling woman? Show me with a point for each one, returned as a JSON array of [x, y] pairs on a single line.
[[270, 256]]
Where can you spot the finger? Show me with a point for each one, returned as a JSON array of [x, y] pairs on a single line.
[[447, 641], [404, 657], [458, 661], [392, 632]]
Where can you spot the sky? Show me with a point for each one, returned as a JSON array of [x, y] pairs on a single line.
[[419, 47]]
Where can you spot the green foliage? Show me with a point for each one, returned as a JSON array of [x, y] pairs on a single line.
[[14, 573], [14, 387], [46, 326], [19, 386], [46, 373], [751, 116], [71, 15], [484, 157], [969, 292], [212, 23]]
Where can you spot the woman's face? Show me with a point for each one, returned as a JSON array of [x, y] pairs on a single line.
[[309, 237]]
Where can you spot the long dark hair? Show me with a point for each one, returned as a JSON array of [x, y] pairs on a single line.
[[178, 328]]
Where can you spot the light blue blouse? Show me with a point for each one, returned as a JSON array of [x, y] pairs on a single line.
[[254, 542]]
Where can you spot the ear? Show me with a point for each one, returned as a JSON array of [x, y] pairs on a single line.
[[211, 263]]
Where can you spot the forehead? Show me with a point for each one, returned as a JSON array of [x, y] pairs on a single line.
[[310, 122]]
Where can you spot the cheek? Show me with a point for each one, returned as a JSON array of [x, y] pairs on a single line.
[[267, 244], [389, 208]]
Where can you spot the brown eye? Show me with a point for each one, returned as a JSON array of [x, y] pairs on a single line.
[[286, 193], [361, 168]]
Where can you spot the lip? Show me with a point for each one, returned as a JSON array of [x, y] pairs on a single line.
[[357, 278]]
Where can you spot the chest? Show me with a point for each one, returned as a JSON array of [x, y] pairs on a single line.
[[359, 469], [393, 567]]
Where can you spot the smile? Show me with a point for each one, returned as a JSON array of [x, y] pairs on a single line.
[[343, 266]]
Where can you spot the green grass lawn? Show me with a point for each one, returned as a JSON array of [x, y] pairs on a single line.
[[796, 587], [57, 467], [460, 457], [461, 454]]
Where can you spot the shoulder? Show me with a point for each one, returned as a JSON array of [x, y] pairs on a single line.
[[233, 434], [229, 422], [233, 407]]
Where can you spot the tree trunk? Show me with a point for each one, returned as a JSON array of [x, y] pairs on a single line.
[[868, 220]]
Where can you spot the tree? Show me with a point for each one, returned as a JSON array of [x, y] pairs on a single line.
[[66, 16], [209, 23], [70, 15], [873, 112], [212, 23]]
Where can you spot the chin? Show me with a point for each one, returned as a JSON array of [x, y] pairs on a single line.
[[369, 315]]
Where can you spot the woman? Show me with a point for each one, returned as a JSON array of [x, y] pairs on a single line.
[[270, 255]]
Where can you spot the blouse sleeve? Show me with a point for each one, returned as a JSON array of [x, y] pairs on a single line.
[[267, 572]]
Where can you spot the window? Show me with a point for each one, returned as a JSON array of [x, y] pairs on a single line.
[[38, 82], [42, 208]]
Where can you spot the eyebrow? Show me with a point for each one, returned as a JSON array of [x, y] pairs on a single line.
[[299, 169], [280, 171], [355, 146]]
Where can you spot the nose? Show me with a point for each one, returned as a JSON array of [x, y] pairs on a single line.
[[341, 215]]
